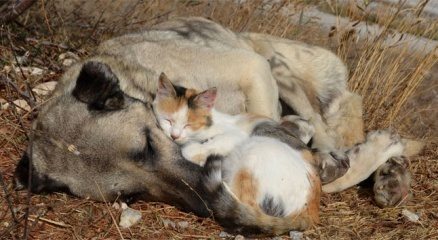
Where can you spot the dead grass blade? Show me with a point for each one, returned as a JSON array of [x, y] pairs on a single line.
[[109, 211]]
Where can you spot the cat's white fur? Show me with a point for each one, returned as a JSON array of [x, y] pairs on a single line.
[[177, 128], [221, 138], [279, 170]]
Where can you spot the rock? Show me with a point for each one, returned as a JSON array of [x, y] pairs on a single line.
[[68, 58], [21, 105], [3, 104], [116, 206], [68, 54], [239, 237], [295, 235], [62, 56], [123, 205], [7, 69], [169, 223], [183, 224], [44, 89], [225, 235], [412, 217], [129, 217], [34, 71]]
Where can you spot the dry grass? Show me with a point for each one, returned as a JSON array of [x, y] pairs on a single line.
[[402, 14], [386, 75], [392, 81]]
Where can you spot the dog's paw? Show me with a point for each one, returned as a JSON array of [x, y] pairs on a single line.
[[392, 182], [333, 166]]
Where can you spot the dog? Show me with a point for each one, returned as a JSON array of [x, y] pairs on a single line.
[[97, 136]]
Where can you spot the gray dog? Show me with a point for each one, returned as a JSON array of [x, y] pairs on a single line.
[[97, 137]]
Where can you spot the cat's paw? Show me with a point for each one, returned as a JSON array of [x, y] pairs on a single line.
[[199, 159], [386, 142], [392, 182], [195, 152], [333, 166], [301, 128]]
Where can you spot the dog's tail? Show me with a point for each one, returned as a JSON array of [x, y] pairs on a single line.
[[238, 217], [412, 147]]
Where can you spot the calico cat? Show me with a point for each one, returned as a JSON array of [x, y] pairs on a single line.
[[189, 118], [267, 175]]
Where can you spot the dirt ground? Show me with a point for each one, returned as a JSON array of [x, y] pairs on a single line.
[[39, 46]]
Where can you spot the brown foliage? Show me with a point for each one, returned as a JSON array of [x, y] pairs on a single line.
[[390, 79]]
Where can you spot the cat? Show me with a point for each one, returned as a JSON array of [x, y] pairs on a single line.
[[267, 175], [189, 118]]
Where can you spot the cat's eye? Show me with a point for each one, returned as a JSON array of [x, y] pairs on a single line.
[[187, 125], [169, 121]]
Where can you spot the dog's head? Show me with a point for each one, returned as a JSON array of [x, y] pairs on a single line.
[[94, 140]]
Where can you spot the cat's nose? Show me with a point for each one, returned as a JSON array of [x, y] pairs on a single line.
[[174, 136]]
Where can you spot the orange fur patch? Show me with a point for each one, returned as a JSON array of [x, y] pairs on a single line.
[[310, 214], [198, 118], [171, 105], [309, 157], [246, 188], [314, 198]]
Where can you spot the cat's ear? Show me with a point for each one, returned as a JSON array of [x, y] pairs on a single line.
[[165, 87], [206, 99]]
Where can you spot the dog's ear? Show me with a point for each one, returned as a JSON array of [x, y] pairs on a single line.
[[99, 87]]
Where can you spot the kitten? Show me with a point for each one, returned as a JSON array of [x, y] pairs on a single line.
[[188, 117], [270, 177]]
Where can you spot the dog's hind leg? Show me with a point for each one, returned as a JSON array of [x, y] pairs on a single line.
[[344, 119]]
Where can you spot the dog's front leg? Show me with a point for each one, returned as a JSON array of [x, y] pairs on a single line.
[[260, 88], [366, 157]]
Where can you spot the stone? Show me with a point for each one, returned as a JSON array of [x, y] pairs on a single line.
[[129, 217]]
